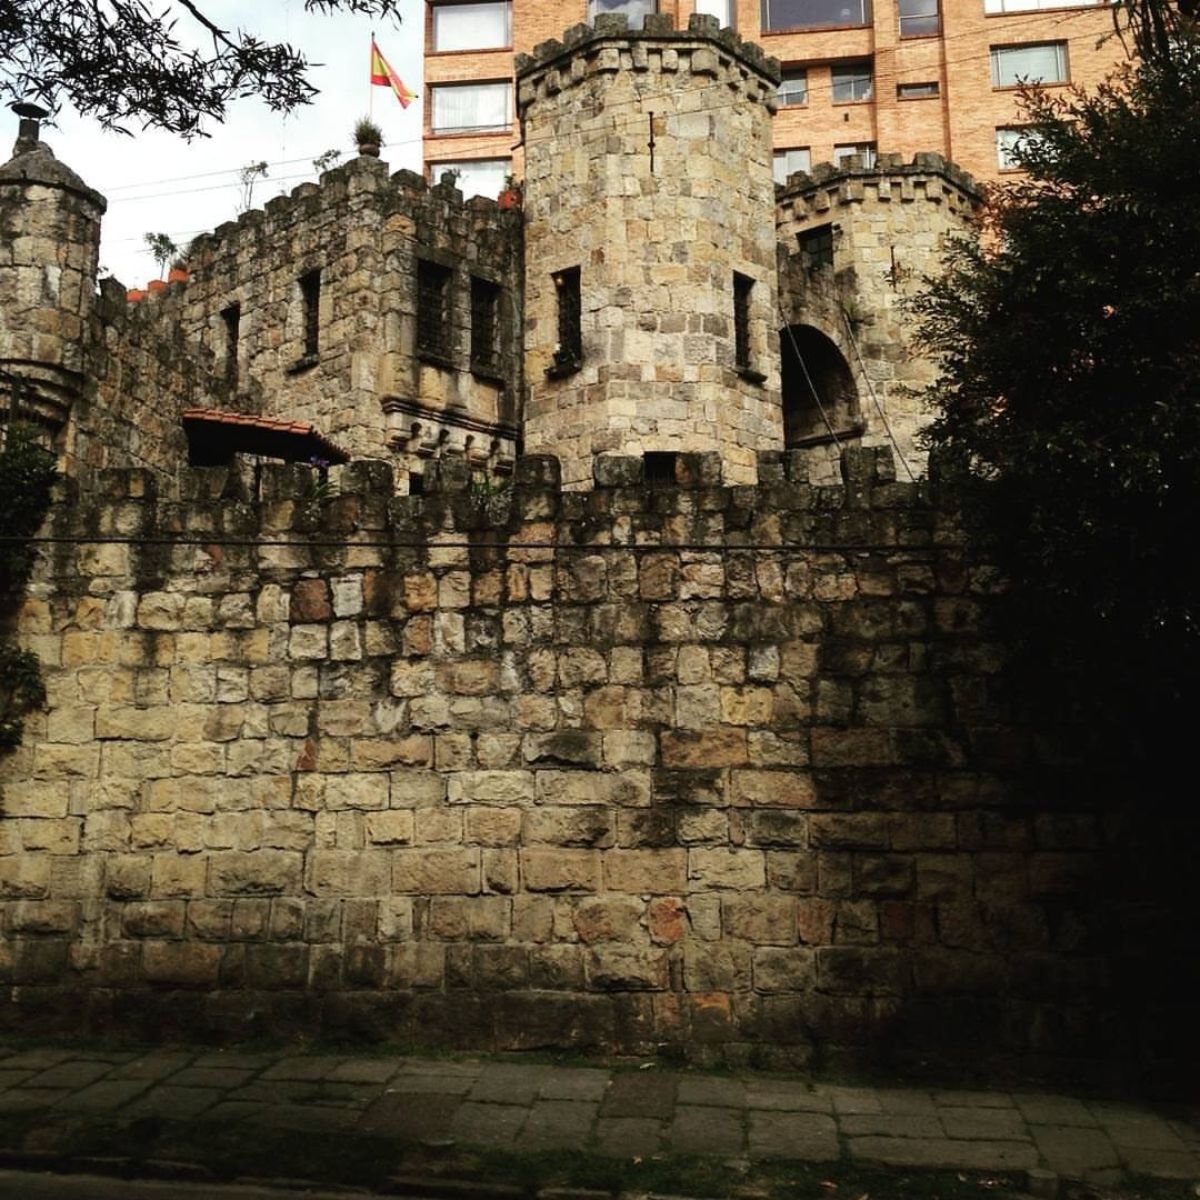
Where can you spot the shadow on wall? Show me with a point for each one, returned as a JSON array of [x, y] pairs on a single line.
[[820, 399]]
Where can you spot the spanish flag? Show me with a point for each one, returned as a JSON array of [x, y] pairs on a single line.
[[382, 75]]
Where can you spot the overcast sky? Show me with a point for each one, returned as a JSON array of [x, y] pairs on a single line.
[[150, 178]]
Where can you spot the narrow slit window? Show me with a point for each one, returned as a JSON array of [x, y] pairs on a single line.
[[569, 354], [658, 467], [485, 326], [231, 317], [743, 285], [816, 247], [310, 293], [433, 310]]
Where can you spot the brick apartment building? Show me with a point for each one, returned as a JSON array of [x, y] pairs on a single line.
[[897, 75]]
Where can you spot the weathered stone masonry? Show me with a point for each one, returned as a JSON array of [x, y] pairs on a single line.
[[717, 768]]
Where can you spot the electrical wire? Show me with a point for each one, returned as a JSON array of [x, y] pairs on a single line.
[[808, 378], [875, 399]]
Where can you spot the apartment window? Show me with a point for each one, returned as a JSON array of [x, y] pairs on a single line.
[[816, 247], [743, 285], [476, 177], [813, 14], [920, 18], [787, 162], [917, 91], [485, 326], [1013, 6], [231, 318], [793, 89], [568, 355], [1009, 141], [864, 150], [472, 26], [852, 82], [310, 297], [724, 10], [433, 311], [1041, 62], [471, 107], [635, 10]]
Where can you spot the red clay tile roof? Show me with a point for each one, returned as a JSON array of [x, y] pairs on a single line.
[[213, 433]]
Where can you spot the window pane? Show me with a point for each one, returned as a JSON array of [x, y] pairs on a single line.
[[916, 91], [865, 150], [471, 106], [788, 161], [794, 88], [814, 14], [723, 10], [635, 10], [472, 26], [919, 18], [852, 81], [1044, 63], [478, 177], [1008, 141]]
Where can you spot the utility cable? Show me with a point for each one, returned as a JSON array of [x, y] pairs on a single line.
[[808, 378], [875, 399]]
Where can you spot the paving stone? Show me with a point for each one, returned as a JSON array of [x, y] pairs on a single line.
[[449, 1085], [983, 1123], [1142, 1132], [1164, 1164], [71, 1075], [301, 1067], [155, 1065], [854, 1100], [941, 1152], [488, 1124], [37, 1060], [574, 1083], [554, 1123], [105, 1096], [699, 1129], [13, 1078], [900, 1125], [1072, 1150], [214, 1077], [30, 1099], [412, 1116], [236, 1060], [905, 1102], [364, 1070], [955, 1099], [1054, 1110], [507, 1083], [810, 1136], [640, 1094], [233, 1111], [306, 1119], [174, 1102], [724, 1093], [628, 1137], [786, 1096]]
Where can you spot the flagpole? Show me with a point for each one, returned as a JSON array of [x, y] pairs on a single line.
[[370, 83]]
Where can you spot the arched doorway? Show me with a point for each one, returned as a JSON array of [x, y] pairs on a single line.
[[820, 399]]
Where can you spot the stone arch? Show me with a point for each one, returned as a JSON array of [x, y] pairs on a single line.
[[811, 361]]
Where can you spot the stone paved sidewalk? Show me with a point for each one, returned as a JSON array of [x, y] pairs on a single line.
[[622, 1112]]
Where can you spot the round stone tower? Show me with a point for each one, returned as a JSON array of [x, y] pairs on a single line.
[[49, 251], [650, 246]]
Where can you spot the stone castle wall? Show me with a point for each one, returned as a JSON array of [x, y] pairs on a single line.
[[369, 387], [725, 769], [890, 226], [656, 233]]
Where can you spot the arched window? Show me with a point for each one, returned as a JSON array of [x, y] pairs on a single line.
[[820, 399]]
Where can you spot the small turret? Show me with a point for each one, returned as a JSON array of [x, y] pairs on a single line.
[[49, 252]]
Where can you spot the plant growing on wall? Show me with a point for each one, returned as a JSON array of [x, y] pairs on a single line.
[[162, 249], [27, 475], [249, 175], [368, 136]]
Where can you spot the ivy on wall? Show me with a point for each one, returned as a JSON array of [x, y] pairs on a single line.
[[27, 475]]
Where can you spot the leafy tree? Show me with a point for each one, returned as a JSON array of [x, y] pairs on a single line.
[[1068, 406], [124, 61], [162, 249]]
